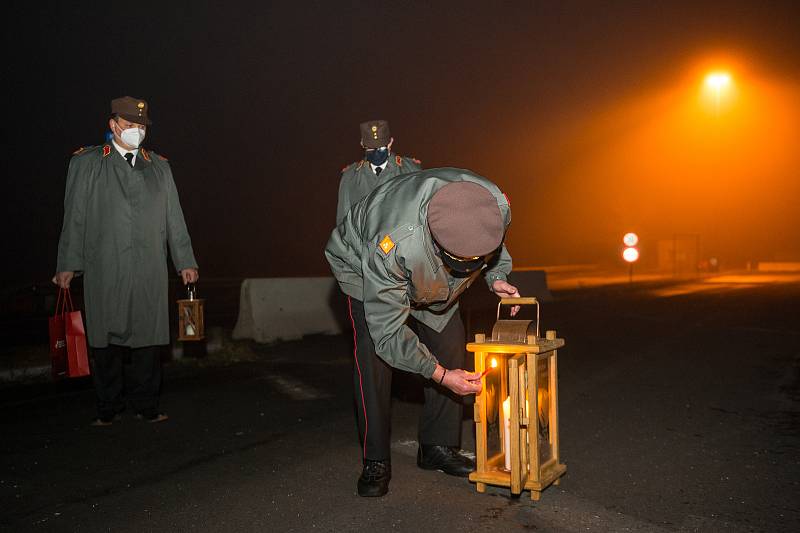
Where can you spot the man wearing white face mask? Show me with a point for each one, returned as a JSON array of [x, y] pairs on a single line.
[[121, 215]]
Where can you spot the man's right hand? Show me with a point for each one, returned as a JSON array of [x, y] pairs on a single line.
[[462, 382], [62, 279]]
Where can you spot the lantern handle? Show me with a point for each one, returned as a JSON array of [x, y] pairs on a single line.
[[530, 300]]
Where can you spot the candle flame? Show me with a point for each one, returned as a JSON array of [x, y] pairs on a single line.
[[494, 362]]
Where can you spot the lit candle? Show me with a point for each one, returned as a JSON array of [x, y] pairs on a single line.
[[507, 431]]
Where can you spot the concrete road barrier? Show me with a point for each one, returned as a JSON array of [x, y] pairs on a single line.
[[288, 308]]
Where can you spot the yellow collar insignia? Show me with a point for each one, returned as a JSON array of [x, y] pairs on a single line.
[[386, 245]]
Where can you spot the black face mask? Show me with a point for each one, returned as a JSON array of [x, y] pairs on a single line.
[[461, 268], [378, 156]]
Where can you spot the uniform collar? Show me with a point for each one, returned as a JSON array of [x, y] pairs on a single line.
[[382, 167], [122, 151], [141, 155]]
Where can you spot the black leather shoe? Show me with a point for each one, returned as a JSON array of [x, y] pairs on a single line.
[[444, 458], [374, 480], [152, 416]]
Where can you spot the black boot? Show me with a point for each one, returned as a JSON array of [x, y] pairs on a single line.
[[374, 480], [444, 458]]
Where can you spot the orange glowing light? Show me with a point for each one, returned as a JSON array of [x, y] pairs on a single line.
[[630, 239], [630, 255], [718, 80], [715, 82], [492, 364]]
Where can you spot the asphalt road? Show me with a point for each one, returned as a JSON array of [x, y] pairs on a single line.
[[679, 411]]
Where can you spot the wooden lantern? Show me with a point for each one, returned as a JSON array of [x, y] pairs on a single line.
[[517, 446], [190, 316]]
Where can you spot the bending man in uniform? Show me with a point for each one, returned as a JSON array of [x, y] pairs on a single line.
[[412, 247], [121, 213]]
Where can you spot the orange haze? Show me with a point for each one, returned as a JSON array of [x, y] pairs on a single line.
[[669, 161]]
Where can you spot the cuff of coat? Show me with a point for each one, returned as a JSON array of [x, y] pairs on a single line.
[[494, 276], [428, 367], [181, 268], [75, 268]]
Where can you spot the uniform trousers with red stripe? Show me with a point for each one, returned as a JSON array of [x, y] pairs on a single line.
[[440, 420]]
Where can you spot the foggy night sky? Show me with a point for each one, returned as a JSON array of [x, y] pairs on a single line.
[[257, 105]]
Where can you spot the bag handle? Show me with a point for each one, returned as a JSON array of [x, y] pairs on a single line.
[[58, 300], [68, 299], [62, 303]]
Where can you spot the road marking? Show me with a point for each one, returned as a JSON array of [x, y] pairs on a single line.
[[294, 389]]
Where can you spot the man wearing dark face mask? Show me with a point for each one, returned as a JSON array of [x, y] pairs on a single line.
[[410, 249], [378, 166], [121, 215]]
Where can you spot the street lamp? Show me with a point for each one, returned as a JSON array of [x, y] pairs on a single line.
[[717, 81]]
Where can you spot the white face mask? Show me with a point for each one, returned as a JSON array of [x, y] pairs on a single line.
[[132, 137]]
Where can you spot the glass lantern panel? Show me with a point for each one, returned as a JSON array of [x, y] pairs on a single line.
[[189, 320], [544, 407], [494, 394]]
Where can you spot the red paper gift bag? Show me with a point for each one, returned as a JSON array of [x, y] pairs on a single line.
[[58, 339], [68, 349]]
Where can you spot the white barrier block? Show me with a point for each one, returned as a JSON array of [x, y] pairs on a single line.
[[288, 308]]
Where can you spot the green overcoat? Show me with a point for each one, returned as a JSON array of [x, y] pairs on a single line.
[[118, 223], [383, 255], [358, 180]]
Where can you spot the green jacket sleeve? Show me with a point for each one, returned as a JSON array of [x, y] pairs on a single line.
[[344, 199], [500, 269], [180, 245], [73, 231], [386, 306]]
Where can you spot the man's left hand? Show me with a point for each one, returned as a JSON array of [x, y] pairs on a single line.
[[504, 289], [189, 275]]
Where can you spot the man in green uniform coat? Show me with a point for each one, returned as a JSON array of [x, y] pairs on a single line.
[[411, 248], [121, 214], [378, 166]]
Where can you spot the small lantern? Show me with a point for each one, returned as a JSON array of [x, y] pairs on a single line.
[[190, 316], [516, 414]]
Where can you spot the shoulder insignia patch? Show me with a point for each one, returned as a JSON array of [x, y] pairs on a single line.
[[145, 154], [386, 244], [399, 161], [106, 150], [79, 150]]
